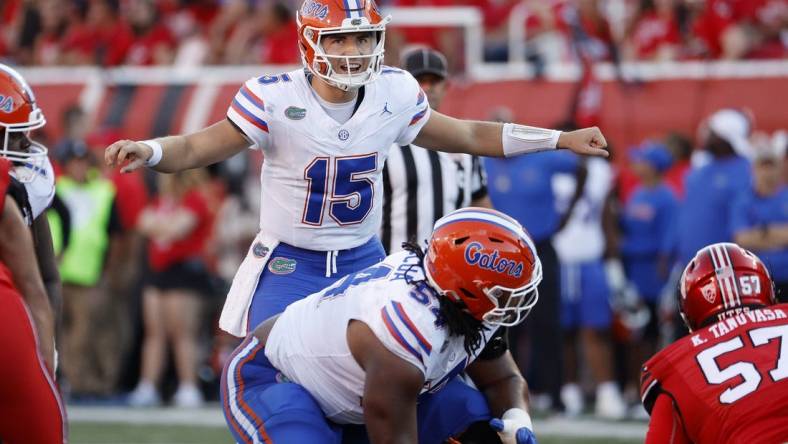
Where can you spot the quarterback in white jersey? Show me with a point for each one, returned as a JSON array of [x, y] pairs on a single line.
[[326, 132], [367, 348], [322, 176]]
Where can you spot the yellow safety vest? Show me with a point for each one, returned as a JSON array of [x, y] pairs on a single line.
[[90, 207]]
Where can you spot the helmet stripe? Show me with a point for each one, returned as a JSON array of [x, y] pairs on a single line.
[[730, 280], [355, 7], [481, 216], [713, 254], [725, 274], [734, 284], [347, 8]]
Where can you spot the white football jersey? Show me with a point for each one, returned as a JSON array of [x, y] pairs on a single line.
[[583, 238], [321, 179], [308, 343], [41, 189]]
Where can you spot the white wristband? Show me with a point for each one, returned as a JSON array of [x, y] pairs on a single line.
[[517, 418], [522, 139], [155, 158]]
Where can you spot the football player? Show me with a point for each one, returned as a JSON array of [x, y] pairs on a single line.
[[31, 409], [32, 177], [381, 346], [727, 381], [326, 131]]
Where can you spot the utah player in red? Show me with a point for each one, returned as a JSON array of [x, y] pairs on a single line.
[[727, 381], [30, 407]]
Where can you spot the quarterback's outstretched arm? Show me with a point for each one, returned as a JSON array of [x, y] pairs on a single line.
[[491, 139], [204, 147]]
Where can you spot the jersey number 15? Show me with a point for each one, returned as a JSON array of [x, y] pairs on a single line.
[[341, 182]]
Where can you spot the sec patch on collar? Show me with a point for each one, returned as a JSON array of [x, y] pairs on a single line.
[[282, 265]]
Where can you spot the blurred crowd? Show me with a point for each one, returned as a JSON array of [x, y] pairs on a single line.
[[207, 32]]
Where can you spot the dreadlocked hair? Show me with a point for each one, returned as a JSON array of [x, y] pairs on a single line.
[[457, 320]]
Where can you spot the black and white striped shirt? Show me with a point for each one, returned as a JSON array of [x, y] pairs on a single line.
[[420, 186]]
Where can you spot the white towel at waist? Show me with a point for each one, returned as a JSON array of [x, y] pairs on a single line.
[[239, 298]]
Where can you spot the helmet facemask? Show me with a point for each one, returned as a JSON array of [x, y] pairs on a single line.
[[512, 310], [32, 156], [512, 305], [322, 65]]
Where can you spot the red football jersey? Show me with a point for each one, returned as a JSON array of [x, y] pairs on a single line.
[[728, 381]]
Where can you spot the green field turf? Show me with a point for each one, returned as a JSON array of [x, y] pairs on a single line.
[[108, 433]]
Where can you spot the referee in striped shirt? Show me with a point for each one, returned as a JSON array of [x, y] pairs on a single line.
[[421, 185]]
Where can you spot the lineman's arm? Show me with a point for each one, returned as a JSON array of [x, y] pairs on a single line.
[[204, 147], [665, 426], [16, 252], [444, 133], [47, 263], [501, 383], [391, 389]]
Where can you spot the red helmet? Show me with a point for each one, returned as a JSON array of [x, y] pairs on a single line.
[[317, 18], [721, 280], [19, 114], [485, 261]]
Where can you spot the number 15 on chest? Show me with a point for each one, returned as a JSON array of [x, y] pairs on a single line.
[[342, 183]]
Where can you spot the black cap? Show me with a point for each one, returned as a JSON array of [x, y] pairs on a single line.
[[425, 61], [71, 149]]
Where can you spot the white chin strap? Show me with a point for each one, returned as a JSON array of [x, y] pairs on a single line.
[[36, 155], [30, 164]]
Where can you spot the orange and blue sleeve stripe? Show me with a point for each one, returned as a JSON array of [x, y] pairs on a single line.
[[394, 331], [252, 97], [248, 112], [403, 316], [420, 98], [418, 116]]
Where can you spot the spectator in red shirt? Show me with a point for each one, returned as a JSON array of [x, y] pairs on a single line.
[[153, 43], [279, 35], [765, 22], [717, 33], [587, 27], [47, 44], [10, 12], [177, 225], [444, 39], [655, 32], [102, 37]]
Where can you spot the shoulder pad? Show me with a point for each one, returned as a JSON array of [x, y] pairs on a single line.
[[18, 192]]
